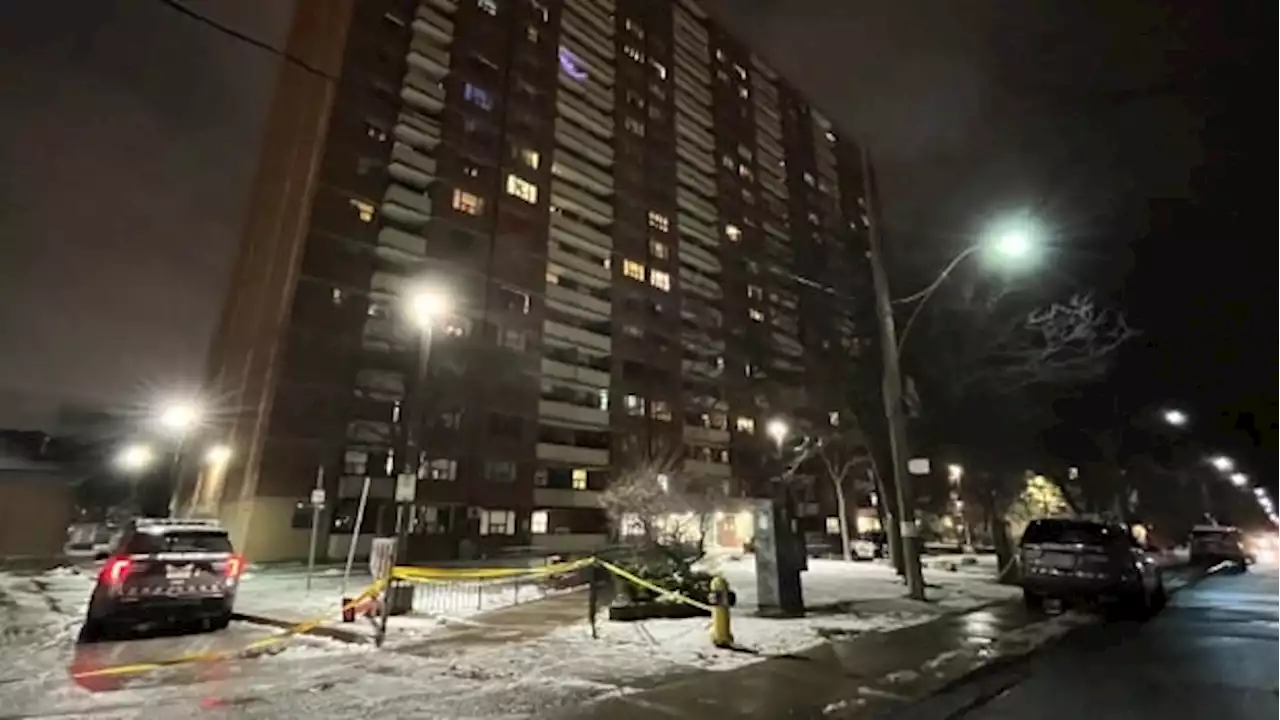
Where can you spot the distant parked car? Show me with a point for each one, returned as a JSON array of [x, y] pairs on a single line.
[[1212, 544], [166, 570], [864, 548], [1077, 560]]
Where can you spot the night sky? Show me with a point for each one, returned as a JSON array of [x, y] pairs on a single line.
[[1134, 132]]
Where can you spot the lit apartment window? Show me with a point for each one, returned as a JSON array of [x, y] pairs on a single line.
[[634, 404], [742, 72], [541, 10], [833, 525], [728, 162], [833, 418], [538, 522], [743, 92], [522, 189], [634, 125], [658, 221], [755, 292], [633, 270], [468, 203], [755, 314], [489, 6], [733, 232], [477, 96], [808, 178], [660, 69], [661, 410], [579, 479], [745, 424], [633, 53], [497, 522], [440, 469], [364, 210], [660, 280], [633, 27], [659, 250], [602, 399], [529, 157], [552, 278], [531, 32], [831, 137]]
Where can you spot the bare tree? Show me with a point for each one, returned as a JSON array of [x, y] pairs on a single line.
[[839, 451], [664, 508], [1062, 344]]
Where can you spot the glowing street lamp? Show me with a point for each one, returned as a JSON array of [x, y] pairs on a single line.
[[777, 429], [1239, 479], [218, 455], [179, 417], [426, 305], [1175, 417], [1223, 463], [135, 458]]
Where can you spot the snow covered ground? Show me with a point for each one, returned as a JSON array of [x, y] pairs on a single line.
[[328, 679]]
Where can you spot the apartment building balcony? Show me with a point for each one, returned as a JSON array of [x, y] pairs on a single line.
[[700, 369], [386, 286], [583, 174], [565, 498], [695, 135], [580, 235], [700, 258], [581, 269], [422, 92], [417, 131], [380, 335], [591, 119], [369, 432], [580, 337], [431, 23], [576, 414], [384, 385], [706, 469], [400, 247], [700, 284], [431, 60], [694, 62], [572, 455], [576, 373], [787, 345], [596, 15], [411, 167], [594, 93], [575, 140], [412, 207], [698, 230], [447, 6], [693, 96], [566, 196], [700, 159], [695, 180], [706, 436], [589, 45], [578, 304], [697, 206], [598, 68]]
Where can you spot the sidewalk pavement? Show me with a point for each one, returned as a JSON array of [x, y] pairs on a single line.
[[857, 676]]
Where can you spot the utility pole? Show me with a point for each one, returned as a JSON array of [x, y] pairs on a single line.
[[892, 393]]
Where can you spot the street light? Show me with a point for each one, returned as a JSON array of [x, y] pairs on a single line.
[[777, 429], [1175, 417], [1223, 463], [135, 458], [218, 455], [1239, 479], [179, 417], [426, 304]]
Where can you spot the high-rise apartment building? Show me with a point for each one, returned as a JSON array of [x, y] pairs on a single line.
[[652, 243]]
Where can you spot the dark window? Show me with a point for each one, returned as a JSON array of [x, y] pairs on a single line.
[[499, 471], [1069, 532], [507, 426]]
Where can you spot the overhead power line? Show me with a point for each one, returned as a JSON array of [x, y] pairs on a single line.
[[232, 32]]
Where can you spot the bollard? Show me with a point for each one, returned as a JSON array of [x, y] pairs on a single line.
[[721, 634]]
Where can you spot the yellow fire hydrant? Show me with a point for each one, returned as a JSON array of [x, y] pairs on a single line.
[[721, 635]]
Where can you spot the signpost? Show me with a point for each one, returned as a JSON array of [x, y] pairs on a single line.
[[317, 504], [355, 540]]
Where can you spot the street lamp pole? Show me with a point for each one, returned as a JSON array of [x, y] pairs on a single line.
[[892, 393]]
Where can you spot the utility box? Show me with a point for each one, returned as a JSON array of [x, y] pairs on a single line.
[[780, 558]]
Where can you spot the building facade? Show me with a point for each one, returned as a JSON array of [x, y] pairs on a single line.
[[651, 244]]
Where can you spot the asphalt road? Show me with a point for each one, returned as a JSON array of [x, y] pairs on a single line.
[[1211, 654]]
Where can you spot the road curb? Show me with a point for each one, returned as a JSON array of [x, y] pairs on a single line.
[[326, 631], [982, 685]]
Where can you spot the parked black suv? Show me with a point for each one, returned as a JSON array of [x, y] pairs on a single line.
[[166, 570], [1082, 560]]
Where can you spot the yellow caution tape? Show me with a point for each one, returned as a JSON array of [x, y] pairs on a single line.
[[662, 592], [430, 574], [290, 632]]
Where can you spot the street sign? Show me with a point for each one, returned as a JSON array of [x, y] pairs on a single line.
[[918, 466], [406, 487], [317, 497]]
